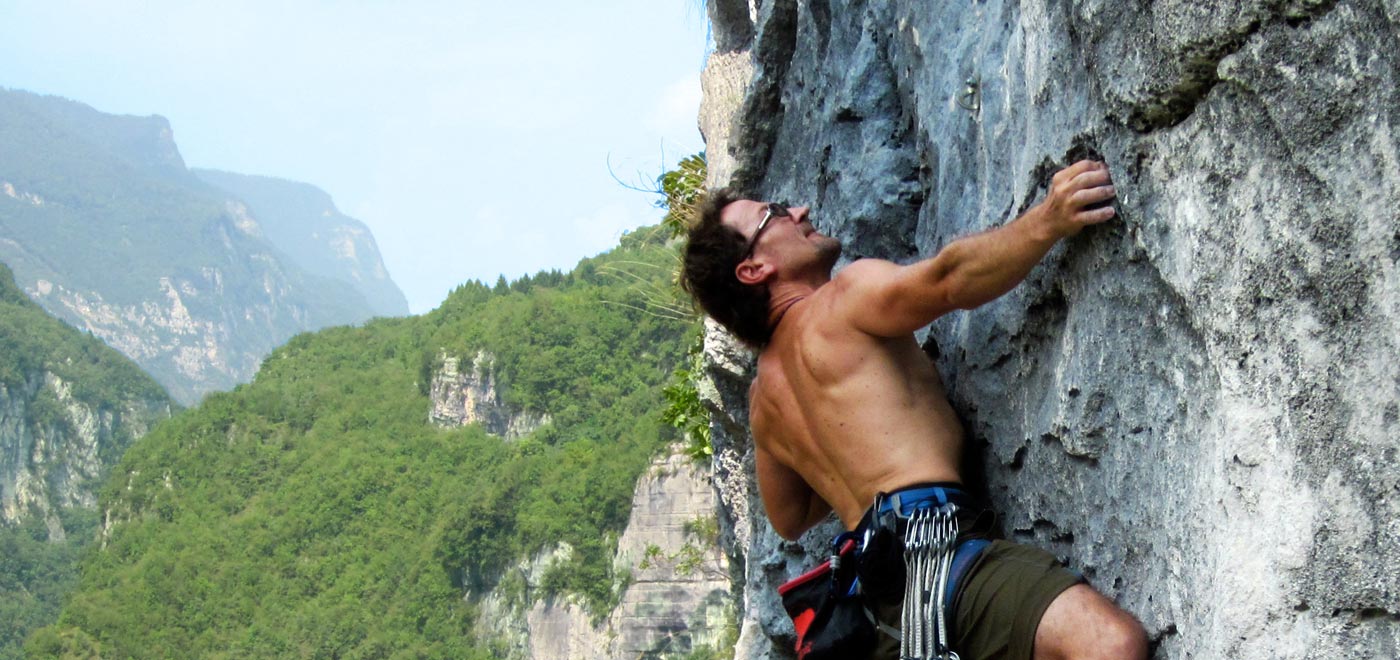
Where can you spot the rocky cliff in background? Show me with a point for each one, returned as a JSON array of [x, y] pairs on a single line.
[[677, 603], [55, 449], [1196, 404], [69, 407], [303, 222], [469, 396], [105, 227], [677, 599]]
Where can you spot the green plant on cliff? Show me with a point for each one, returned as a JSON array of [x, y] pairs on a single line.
[[684, 409], [682, 189]]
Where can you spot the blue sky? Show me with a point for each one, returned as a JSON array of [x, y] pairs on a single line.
[[473, 138]]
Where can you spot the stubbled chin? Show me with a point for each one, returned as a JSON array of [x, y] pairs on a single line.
[[829, 249]]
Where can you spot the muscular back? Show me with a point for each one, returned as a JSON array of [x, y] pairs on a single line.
[[844, 404], [846, 414]]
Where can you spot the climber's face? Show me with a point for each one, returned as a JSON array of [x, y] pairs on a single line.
[[781, 237]]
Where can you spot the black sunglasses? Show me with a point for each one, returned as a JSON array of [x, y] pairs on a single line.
[[775, 210]]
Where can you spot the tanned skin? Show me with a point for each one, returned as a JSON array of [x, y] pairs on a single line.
[[846, 405]]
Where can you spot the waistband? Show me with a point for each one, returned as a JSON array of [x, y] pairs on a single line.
[[914, 497], [905, 501]]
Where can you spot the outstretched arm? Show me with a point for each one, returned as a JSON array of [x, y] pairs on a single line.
[[887, 300]]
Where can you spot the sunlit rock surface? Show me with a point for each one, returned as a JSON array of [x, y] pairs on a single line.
[[462, 395], [1197, 404], [56, 460], [676, 601]]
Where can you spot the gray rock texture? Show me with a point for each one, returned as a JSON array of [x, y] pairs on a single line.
[[60, 462], [460, 396], [1196, 404]]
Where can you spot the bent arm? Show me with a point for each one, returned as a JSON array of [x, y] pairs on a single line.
[[888, 300], [792, 506]]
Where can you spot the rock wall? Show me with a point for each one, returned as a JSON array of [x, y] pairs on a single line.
[[57, 460], [1197, 404], [676, 602], [679, 597], [460, 396]]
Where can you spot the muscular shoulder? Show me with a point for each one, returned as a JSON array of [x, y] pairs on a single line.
[[760, 405], [852, 293], [860, 280], [863, 271]]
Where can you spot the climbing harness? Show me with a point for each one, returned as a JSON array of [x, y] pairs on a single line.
[[908, 541], [920, 526]]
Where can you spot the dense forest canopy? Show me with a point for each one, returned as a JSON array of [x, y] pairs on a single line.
[[317, 512]]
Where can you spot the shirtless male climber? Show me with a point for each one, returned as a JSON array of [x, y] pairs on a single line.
[[849, 415]]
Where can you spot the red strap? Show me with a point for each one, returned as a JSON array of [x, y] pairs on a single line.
[[802, 622], [822, 570]]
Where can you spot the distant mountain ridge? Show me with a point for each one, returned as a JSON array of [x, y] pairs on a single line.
[[303, 221], [105, 227]]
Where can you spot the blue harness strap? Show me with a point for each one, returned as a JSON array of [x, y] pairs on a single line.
[[908, 500], [968, 551]]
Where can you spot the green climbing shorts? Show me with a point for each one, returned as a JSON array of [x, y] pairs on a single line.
[[998, 605]]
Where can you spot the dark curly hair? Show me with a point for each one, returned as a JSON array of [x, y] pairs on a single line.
[[712, 252]]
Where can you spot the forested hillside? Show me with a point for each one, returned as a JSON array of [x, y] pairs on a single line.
[[315, 512], [69, 407]]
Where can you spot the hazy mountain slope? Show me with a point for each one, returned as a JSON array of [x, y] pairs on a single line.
[[104, 227], [303, 222]]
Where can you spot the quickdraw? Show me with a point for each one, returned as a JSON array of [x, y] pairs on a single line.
[[930, 540]]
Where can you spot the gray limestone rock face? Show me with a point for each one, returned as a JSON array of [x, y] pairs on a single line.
[[679, 592], [463, 396], [676, 602], [1196, 404], [59, 463]]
